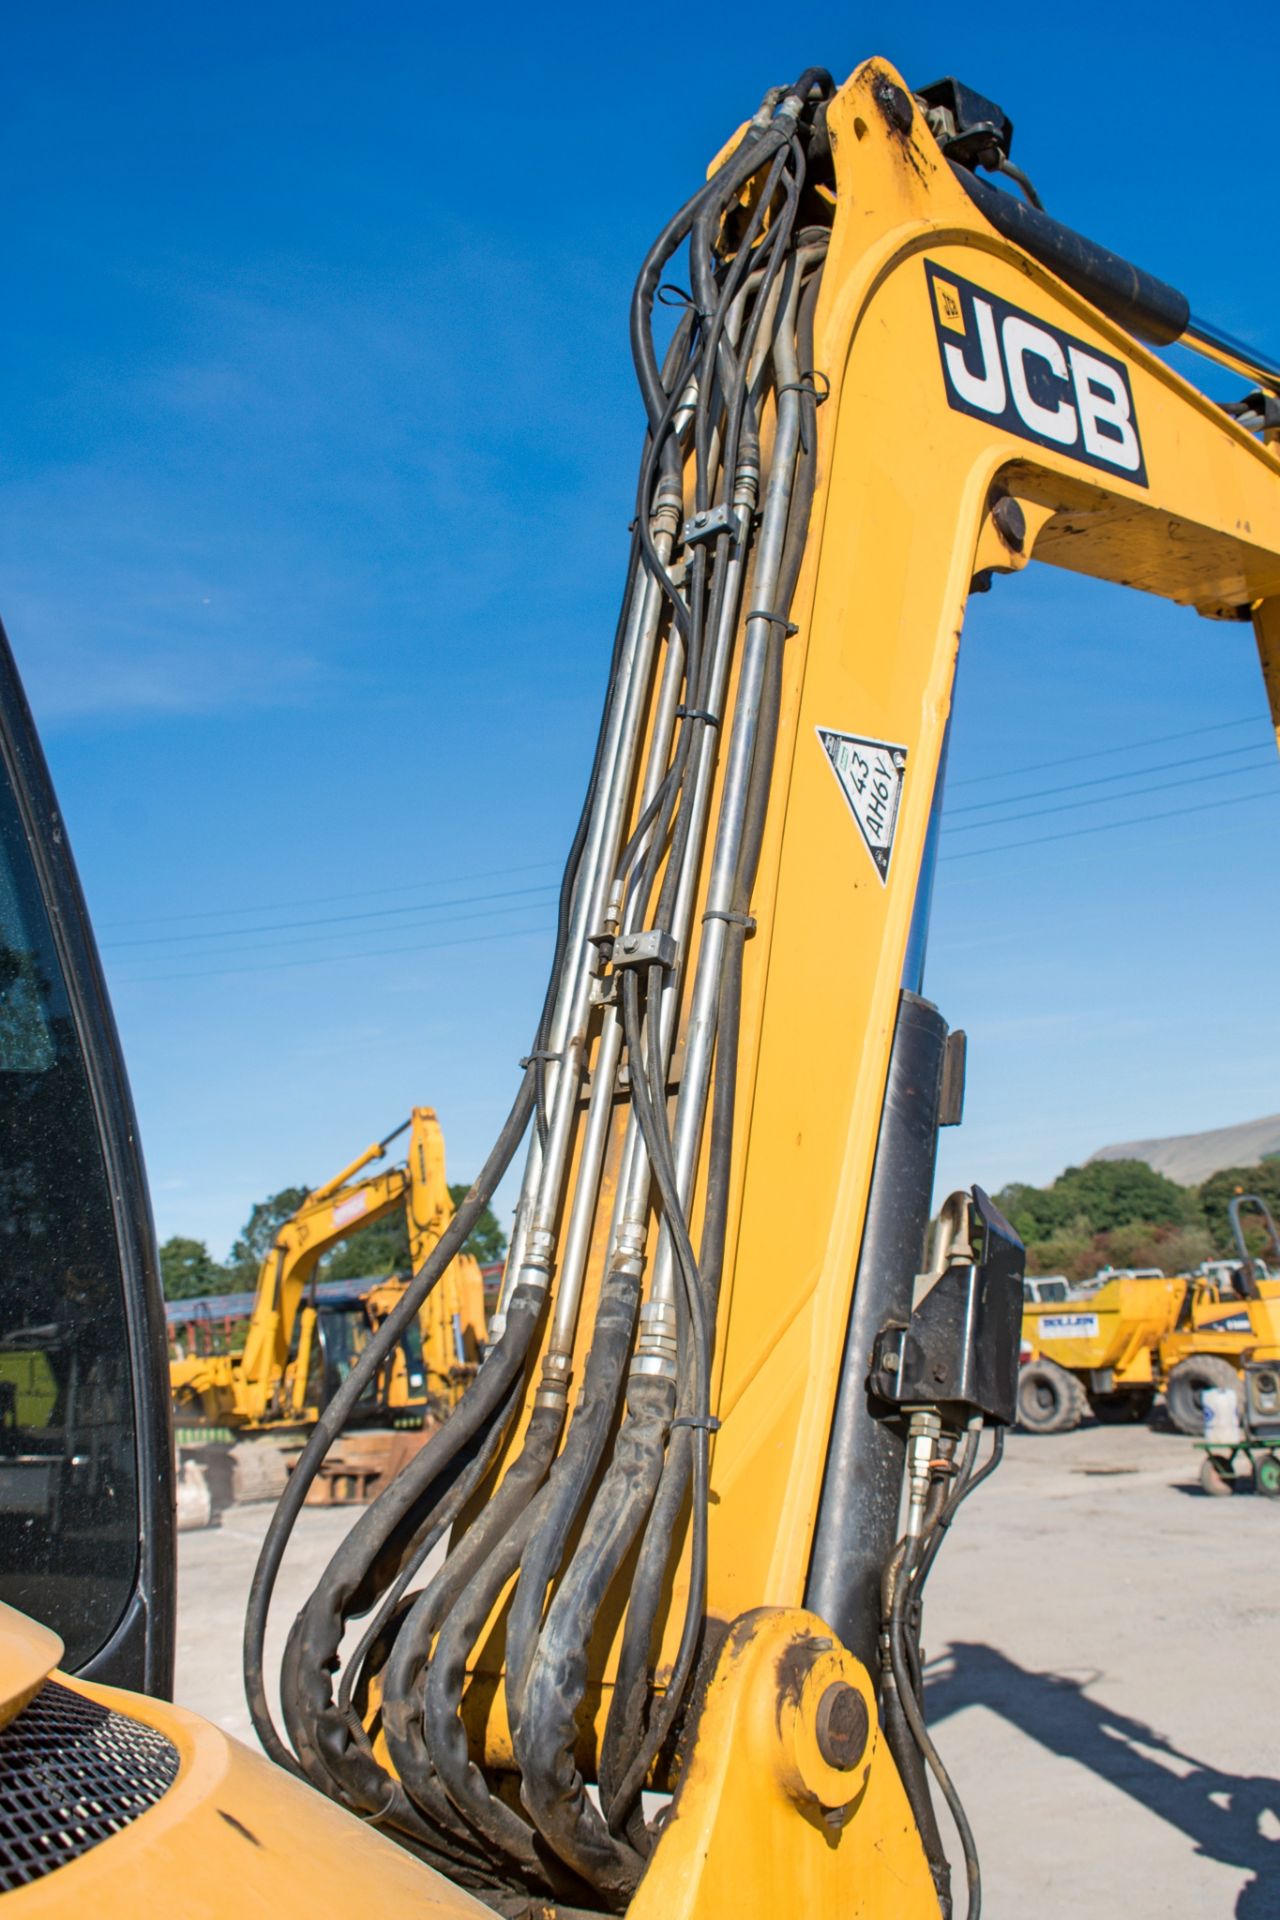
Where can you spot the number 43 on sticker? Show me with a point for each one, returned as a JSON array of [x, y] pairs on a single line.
[[869, 774]]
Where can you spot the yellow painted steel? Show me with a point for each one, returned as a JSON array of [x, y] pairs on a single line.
[[1138, 1330], [1115, 1330], [762, 1825], [28, 1655], [235, 1838], [269, 1384], [1214, 1327], [901, 523]]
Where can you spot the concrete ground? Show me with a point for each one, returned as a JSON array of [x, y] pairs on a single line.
[[1103, 1681]]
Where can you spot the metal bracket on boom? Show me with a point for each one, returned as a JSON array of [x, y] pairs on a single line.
[[651, 948], [709, 525], [959, 1351]]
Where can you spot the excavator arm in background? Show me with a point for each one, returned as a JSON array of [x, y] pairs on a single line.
[[271, 1382]]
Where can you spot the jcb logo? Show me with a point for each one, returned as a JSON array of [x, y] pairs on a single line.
[[1004, 365]]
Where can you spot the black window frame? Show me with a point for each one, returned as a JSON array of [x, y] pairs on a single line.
[[138, 1653]]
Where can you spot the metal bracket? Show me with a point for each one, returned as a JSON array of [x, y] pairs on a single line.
[[652, 948], [710, 524], [959, 1351]]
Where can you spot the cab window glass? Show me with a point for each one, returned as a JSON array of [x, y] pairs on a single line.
[[68, 1464]]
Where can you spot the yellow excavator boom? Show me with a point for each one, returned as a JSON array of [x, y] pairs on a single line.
[[639, 1628], [718, 1371]]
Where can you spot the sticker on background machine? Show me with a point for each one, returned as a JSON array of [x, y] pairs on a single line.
[[1067, 1326], [869, 774]]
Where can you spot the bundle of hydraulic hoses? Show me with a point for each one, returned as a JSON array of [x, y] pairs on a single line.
[[654, 913]]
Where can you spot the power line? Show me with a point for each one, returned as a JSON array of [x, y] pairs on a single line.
[[1102, 799], [1110, 779], [1110, 826], [325, 939], [334, 959], [328, 920], [537, 866], [326, 899], [1104, 753]]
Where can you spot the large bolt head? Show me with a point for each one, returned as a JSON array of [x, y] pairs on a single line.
[[1010, 522], [842, 1726]]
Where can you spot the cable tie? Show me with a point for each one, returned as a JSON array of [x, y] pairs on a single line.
[[677, 297], [700, 1422], [543, 1053], [698, 713], [805, 384], [774, 619], [734, 919]]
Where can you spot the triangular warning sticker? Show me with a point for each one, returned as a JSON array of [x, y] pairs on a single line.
[[870, 775]]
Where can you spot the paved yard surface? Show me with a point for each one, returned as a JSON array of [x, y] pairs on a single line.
[[1104, 1647]]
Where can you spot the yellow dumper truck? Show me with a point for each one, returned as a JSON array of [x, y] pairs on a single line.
[[1111, 1351]]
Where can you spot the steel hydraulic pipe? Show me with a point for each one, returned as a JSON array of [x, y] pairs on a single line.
[[701, 1024], [632, 1204], [577, 1239], [579, 926], [540, 1244]]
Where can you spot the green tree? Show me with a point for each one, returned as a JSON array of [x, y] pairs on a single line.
[[260, 1230], [188, 1269], [1215, 1195], [372, 1252], [1098, 1198], [486, 1240]]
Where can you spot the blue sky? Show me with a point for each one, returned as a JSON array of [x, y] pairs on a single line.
[[319, 445]]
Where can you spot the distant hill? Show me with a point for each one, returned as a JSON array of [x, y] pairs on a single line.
[[1190, 1158]]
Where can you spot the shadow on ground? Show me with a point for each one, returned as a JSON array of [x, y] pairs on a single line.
[[1232, 1818]]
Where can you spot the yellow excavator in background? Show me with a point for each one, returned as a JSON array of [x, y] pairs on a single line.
[[288, 1369], [639, 1629]]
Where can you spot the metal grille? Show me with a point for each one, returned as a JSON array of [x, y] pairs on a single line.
[[71, 1774]]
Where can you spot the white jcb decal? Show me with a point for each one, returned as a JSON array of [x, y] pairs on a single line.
[[1004, 365], [870, 775]]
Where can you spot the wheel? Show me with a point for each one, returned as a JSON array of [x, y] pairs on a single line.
[[1123, 1408], [1266, 1475], [1050, 1400], [1184, 1395], [1216, 1476]]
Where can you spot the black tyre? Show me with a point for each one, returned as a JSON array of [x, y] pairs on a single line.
[[1215, 1476], [1123, 1409], [1050, 1400], [1184, 1395], [1266, 1475]]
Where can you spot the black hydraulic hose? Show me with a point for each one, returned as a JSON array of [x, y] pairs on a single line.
[[626, 1757], [915, 1782], [570, 1480], [422, 1497], [552, 1786], [757, 146], [390, 1604], [1150, 308], [419, 1751], [715, 294], [388, 1336], [334, 1416], [914, 1715]]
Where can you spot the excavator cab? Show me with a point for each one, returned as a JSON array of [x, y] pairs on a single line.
[[86, 1498]]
